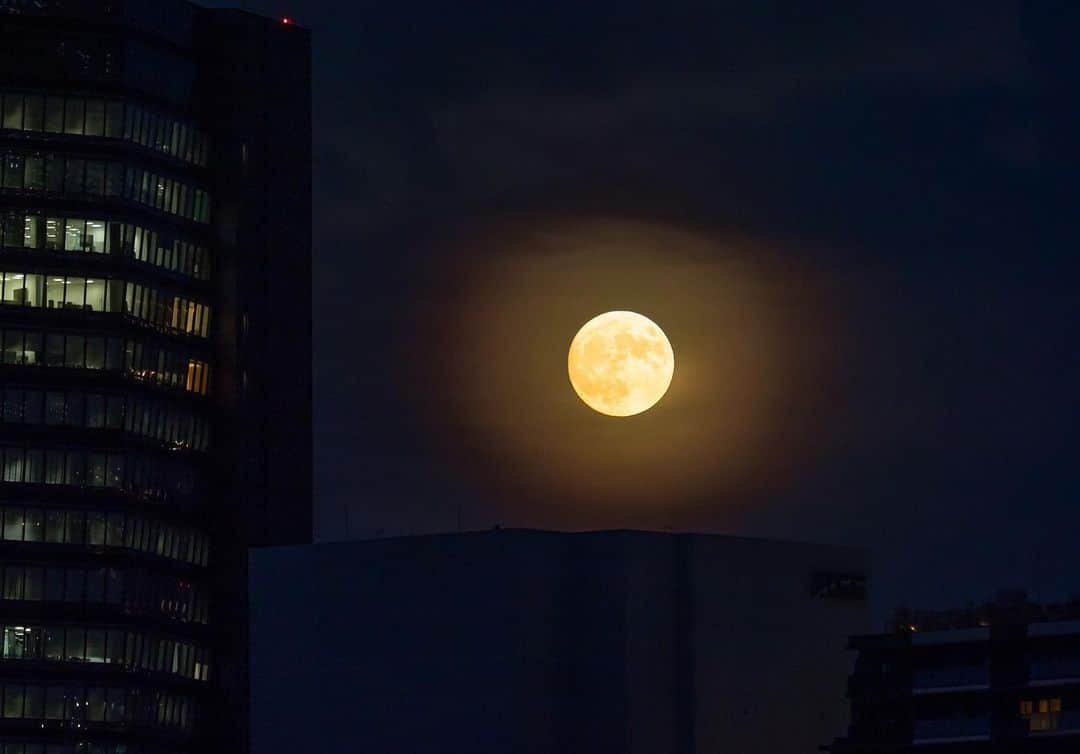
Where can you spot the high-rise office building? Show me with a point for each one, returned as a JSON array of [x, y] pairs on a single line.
[[1001, 677], [155, 378]]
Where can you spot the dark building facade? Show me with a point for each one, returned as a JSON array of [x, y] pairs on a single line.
[[1003, 677], [533, 642], [155, 363]]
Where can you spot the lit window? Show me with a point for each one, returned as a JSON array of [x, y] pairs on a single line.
[[1041, 714]]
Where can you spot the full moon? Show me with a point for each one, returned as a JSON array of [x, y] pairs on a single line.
[[620, 363]]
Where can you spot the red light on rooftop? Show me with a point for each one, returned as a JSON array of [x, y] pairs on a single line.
[[286, 20]]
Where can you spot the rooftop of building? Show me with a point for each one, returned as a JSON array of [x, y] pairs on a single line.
[[1008, 607], [433, 538], [170, 19]]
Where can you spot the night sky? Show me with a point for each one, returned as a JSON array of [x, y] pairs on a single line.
[[857, 230]]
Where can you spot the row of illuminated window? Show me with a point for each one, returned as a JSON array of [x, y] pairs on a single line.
[[128, 649], [110, 119], [35, 231], [153, 477], [129, 590], [160, 310], [175, 425], [81, 706], [80, 178], [101, 529], [142, 360]]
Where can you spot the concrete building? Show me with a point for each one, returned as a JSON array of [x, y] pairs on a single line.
[[530, 641], [1001, 677]]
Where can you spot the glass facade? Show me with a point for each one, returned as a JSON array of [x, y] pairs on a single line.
[[154, 198], [43, 112], [173, 424], [32, 231], [148, 476], [105, 368], [159, 309], [105, 529], [83, 177], [96, 706], [140, 359], [111, 646], [110, 529], [127, 591]]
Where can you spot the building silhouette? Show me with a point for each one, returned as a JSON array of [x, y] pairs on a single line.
[[155, 375], [612, 642], [1001, 677]]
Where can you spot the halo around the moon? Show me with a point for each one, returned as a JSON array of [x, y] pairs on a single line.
[[620, 363]]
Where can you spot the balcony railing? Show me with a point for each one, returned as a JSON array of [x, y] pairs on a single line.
[[1051, 669], [926, 680], [958, 728]]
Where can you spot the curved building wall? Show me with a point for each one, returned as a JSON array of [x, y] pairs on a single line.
[[128, 426], [107, 411]]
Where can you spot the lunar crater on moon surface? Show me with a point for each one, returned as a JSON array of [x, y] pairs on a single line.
[[620, 363]]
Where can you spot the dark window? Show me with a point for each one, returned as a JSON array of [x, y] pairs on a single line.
[[35, 527], [95, 178], [114, 120], [95, 117], [34, 105], [73, 592], [54, 114], [74, 115], [35, 582], [54, 468], [54, 408], [95, 410], [13, 112], [13, 171], [95, 353], [74, 176], [35, 175], [75, 352], [54, 592], [54, 350]]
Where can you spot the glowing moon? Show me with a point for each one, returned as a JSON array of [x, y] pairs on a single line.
[[620, 363]]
